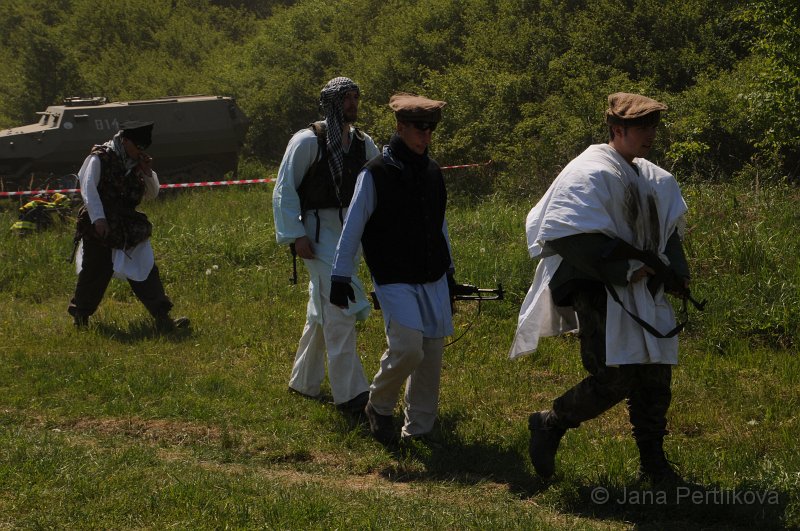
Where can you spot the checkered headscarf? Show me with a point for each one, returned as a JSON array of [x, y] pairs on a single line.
[[330, 100]]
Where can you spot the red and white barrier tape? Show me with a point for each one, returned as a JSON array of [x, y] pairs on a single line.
[[199, 184], [216, 183]]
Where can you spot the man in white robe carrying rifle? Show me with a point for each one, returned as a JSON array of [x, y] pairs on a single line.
[[310, 200], [609, 235]]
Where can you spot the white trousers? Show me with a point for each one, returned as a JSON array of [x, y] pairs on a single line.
[[336, 335], [416, 361]]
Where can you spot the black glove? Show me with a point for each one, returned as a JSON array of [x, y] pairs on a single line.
[[676, 285], [340, 292], [451, 285], [456, 290]]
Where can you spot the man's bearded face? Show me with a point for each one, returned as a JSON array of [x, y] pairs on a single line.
[[350, 106]]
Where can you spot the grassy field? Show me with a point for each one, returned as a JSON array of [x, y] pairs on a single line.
[[118, 427]]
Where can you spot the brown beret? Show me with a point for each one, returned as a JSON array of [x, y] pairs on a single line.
[[412, 108], [624, 106]]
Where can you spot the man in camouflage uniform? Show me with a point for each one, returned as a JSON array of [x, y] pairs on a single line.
[[608, 202], [113, 237]]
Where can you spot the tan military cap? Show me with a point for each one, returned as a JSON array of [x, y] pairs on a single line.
[[412, 108], [625, 106]]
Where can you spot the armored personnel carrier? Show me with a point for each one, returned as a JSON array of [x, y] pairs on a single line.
[[195, 138]]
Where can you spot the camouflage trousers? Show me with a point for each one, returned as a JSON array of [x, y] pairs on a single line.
[[645, 387]]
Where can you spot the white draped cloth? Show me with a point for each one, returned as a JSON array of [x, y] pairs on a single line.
[[599, 192]]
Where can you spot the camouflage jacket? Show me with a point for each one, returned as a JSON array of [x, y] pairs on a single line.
[[120, 191]]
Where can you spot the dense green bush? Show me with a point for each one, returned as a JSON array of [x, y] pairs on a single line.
[[526, 81], [775, 101]]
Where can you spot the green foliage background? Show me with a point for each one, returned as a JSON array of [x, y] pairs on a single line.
[[526, 80]]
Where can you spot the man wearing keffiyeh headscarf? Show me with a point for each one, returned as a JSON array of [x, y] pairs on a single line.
[[315, 183], [332, 101]]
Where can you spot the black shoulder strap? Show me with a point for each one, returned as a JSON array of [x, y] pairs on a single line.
[[320, 131], [644, 324], [619, 250]]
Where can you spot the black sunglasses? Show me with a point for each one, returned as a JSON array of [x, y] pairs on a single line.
[[425, 126]]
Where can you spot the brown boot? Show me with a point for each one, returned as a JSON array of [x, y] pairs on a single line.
[[545, 438]]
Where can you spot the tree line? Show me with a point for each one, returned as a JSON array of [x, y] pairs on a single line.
[[525, 80]]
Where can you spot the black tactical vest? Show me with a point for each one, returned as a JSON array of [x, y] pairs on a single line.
[[117, 188], [318, 189], [403, 240], [120, 191]]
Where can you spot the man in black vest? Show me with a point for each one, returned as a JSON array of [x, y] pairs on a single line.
[[398, 215], [313, 190], [114, 237]]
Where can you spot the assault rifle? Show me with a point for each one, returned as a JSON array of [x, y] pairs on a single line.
[[462, 292], [674, 284], [468, 292], [622, 250]]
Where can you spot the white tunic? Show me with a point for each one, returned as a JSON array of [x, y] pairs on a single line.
[[300, 154], [136, 263], [588, 197]]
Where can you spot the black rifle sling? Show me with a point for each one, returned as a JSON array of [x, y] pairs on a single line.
[[619, 249], [644, 324], [320, 131]]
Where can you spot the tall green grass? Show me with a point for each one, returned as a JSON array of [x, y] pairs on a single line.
[[118, 427]]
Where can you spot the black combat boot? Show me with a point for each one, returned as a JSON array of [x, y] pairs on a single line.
[[380, 426], [165, 323], [355, 406], [80, 321], [654, 465], [545, 437]]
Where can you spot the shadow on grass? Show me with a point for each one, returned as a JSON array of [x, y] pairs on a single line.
[[678, 507], [139, 330], [446, 456]]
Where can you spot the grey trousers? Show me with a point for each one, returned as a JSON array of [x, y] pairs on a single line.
[[416, 361]]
